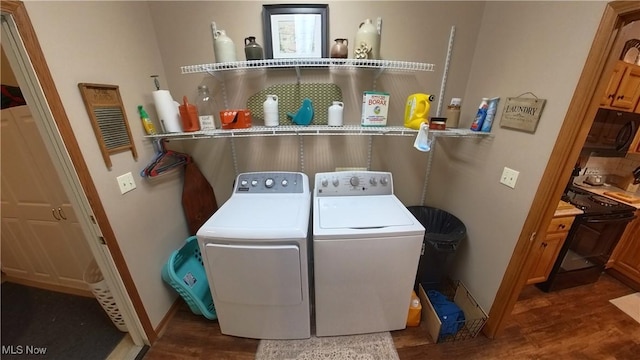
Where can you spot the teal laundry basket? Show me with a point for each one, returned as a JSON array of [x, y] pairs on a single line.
[[185, 272]]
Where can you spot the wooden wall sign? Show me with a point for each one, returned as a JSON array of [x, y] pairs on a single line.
[[522, 113], [108, 118]]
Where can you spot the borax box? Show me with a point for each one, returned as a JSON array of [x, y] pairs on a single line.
[[375, 105]]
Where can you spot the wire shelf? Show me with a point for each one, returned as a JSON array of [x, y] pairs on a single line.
[[311, 130], [309, 63]]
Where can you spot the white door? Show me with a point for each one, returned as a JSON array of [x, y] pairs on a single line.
[[41, 238]]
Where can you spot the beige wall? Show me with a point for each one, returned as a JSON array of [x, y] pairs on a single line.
[[114, 43], [537, 47], [501, 49]]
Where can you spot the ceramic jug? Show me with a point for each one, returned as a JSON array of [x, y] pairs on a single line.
[[335, 114], [271, 111], [223, 46], [340, 49], [367, 41], [252, 50]]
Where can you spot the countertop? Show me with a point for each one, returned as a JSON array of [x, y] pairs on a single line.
[[600, 190], [566, 209]]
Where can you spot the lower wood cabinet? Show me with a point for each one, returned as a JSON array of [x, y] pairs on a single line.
[[547, 248], [625, 259]]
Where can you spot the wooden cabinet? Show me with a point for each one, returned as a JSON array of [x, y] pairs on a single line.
[[547, 248], [634, 148], [625, 259], [623, 90], [42, 241]]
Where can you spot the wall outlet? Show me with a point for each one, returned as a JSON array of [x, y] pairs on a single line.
[[509, 177], [126, 183]]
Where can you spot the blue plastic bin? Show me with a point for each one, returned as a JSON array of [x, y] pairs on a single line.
[[185, 272]]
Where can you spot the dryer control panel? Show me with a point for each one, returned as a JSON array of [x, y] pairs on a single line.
[[353, 183], [280, 182]]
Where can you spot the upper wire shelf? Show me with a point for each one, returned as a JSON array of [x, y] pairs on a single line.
[[285, 130], [330, 63]]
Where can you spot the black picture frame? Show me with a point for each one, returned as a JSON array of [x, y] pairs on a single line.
[[276, 18]]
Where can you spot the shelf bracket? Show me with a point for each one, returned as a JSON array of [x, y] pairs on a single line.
[[233, 155], [369, 152], [301, 151], [297, 74]]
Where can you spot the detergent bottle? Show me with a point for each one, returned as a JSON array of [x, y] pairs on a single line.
[[416, 110]]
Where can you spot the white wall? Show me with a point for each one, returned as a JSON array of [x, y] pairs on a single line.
[[114, 43], [537, 47]]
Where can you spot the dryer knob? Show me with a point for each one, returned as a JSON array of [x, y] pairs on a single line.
[[373, 181], [335, 181], [324, 182], [244, 183], [354, 181], [284, 182], [254, 183], [384, 181], [268, 183]]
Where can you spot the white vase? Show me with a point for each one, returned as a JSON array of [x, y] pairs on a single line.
[[271, 111], [368, 35], [335, 114]]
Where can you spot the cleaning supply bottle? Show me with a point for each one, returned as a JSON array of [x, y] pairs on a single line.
[[480, 115], [149, 128]]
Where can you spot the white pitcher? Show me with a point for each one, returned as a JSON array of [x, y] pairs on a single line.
[[223, 46], [271, 111], [335, 114]]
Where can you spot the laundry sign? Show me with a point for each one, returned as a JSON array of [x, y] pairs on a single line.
[[522, 113]]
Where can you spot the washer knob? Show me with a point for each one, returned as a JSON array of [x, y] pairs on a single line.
[[244, 183], [335, 181], [373, 181], [354, 181], [384, 181], [269, 183], [284, 182], [324, 182], [254, 182]]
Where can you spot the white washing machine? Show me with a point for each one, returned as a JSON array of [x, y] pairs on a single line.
[[366, 247], [255, 249]]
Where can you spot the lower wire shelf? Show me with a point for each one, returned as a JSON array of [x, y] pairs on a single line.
[[311, 130]]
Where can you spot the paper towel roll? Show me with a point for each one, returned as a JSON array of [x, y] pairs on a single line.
[[167, 110]]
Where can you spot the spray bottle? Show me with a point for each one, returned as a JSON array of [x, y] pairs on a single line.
[[149, 128]]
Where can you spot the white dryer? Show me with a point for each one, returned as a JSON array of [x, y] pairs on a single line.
[[366, 247], [255, 250]]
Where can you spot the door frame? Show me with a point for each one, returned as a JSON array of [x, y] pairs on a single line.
[[38, 87], [573, 133]]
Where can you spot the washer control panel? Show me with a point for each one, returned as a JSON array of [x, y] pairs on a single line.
[[347, 183], [270, 182]]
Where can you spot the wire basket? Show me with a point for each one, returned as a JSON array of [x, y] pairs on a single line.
[[185, 272], [93, 277], [474, 316]]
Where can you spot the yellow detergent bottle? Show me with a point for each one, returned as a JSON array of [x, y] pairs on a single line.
[[416, 110], [149, 128]]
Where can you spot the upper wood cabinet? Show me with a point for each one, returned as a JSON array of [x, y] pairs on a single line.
[[623, 90]]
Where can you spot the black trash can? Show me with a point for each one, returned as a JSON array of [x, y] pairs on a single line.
[[443, 234]]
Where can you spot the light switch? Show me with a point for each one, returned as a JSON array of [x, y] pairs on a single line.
[[126, 183], [509, 177]]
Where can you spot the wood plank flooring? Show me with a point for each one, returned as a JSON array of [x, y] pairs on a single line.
[[577, 323]]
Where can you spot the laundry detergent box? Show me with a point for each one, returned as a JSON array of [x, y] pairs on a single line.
[[375, 106]]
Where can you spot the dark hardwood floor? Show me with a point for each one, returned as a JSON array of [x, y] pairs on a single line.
[[577, 323]]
